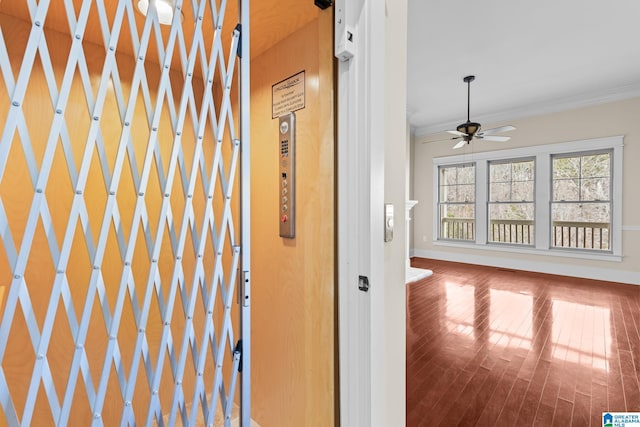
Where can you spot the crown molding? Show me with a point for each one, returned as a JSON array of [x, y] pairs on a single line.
[[552, 106]]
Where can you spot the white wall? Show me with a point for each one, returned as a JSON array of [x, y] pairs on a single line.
[[410, 153], [616, 118]]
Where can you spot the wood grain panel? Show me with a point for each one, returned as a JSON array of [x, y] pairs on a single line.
[[293, 280]]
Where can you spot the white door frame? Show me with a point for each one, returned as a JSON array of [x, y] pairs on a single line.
[[364, 365]]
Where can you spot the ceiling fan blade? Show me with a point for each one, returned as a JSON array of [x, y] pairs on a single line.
[[494, 138], [442, 140], [460, 144], [457, 132], [491, 131]]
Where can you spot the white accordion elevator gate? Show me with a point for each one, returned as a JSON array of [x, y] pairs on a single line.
[[124, 212]]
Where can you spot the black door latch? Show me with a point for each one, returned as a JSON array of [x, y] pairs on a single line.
[[363, 283]]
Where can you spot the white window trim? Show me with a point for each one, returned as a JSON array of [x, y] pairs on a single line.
[[488, 202], [542, 154], [438, 202]]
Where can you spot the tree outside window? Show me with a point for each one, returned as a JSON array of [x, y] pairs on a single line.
[[511, 206], [457, 197], [581, 201]]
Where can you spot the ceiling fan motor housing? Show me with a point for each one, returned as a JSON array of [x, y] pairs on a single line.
[[469, 128]]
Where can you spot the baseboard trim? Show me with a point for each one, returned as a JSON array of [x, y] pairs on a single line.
[[583, 271]]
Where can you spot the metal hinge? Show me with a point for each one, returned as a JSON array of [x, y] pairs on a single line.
[[245, 289]]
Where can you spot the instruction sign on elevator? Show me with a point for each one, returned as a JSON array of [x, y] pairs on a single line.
[[288, 95]]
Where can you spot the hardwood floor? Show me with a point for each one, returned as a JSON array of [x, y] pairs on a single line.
[[496, 347]]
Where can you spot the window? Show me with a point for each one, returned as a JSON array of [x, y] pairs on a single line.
[[581, 201], [511, 207], [457, 201], [560, 199]]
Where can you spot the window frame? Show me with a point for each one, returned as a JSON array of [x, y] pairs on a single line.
[[439, 203], [609, 151], [543, 180], [489, 202]]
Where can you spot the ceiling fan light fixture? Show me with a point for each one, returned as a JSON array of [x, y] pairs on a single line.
[[164, 9], [469, 128]]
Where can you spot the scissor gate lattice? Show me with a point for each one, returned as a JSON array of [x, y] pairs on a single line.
[[120, 220]]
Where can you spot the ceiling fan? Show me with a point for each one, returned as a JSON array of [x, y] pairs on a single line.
[[465, 132]]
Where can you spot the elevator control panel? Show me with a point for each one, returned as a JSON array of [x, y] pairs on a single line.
[[287, 175]]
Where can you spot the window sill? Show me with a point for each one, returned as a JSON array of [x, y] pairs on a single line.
[[566, 253]]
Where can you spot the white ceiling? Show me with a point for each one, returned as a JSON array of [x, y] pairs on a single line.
[[529, 57]]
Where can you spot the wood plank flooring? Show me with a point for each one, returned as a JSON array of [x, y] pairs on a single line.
[[496, 347]]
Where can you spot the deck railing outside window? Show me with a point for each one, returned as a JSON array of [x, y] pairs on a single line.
[[457, 229], [511, 231], [566, 234], [583, 235]]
